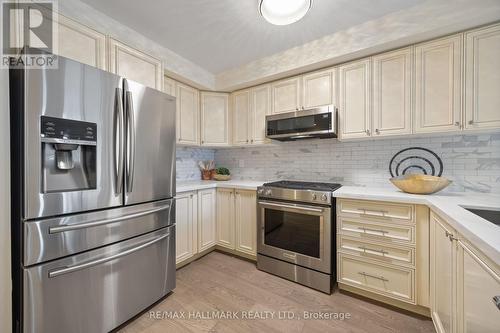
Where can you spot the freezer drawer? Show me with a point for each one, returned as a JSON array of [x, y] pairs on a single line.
[[100, 289], [58, 237]]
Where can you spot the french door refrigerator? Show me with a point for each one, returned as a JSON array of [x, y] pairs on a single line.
[[93, 213]]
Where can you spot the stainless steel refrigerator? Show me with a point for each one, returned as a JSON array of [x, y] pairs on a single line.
[[93, 213]]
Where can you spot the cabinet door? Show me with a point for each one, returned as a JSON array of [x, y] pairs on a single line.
[[225, 218], [482, 78], [318, 89], [392, 74], [438, 89], [260, 108], [188, 114], [286, 95], [443, 273], [246, 221], [135, 65], [241, 116], [207, 222], [477, 285], [214, 119], [186, 219], [169, 86], [355, 99]]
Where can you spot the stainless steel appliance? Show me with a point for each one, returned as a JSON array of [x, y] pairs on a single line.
[[305, 124], [93, 214], [295, 233]]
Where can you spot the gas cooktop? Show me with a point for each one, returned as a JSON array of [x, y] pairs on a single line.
[[298, 185]]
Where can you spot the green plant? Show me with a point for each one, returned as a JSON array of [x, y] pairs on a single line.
[[222, 171]]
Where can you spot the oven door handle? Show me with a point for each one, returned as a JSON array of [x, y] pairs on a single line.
[[309, 209]]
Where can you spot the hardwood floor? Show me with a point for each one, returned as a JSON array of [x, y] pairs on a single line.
[[219, 282]]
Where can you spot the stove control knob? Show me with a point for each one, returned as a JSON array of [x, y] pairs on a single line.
[[267, 192], [324, 197], [260, 191], [314, 196]]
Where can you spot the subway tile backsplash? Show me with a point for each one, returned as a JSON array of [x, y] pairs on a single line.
[[471, 161], [187, 162]]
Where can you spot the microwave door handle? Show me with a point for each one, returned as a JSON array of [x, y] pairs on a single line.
[[130, 141], [119, 142]]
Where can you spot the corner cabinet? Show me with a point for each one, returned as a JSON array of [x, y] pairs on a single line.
[[207, 223], [186, 225], [438, 85], [188, 115], [225, 218], [241, 117], [215, 119], [482, 78]]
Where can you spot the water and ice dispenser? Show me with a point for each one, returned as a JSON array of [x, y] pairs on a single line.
[[68, 154]]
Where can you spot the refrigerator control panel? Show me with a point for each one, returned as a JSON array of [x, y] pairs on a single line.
[[67, 129]]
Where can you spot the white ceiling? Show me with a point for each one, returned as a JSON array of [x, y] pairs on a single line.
[[222, 34]]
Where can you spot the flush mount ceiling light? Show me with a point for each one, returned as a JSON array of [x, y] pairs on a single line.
[[283, 12]]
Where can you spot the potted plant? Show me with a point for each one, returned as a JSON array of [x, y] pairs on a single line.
[[222, 173]]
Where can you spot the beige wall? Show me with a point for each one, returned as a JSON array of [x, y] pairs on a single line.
[[5, 280]]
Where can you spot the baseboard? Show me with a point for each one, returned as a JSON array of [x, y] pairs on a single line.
[[217, 248]]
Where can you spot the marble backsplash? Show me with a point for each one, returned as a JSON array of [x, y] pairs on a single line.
[[471, 161], [187, 162]]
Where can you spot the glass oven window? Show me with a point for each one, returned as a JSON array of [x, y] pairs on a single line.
[[295, 232]]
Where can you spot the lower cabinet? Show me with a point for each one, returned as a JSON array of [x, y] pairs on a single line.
[[186, 219], [225, 218], [207, 226]]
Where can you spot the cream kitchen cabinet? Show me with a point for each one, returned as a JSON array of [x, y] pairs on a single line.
[[246, 221], [135, 65], [392, 86], [286, 95], [482, 78], [250, 108], [319, 88], [188, 115], [186, 225], [355, 99], [169, 86], [215, 119], [438, 85], [225, 218], [207, 220]]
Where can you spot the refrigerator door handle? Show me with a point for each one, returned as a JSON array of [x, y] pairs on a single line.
[[69, 269], [130, 141], [64, 228], [119, 143]]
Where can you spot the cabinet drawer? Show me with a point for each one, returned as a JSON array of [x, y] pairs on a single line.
[[376, 209], [392, 233], [390, 254], [397, 283]]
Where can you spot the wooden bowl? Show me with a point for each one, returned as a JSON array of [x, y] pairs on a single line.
[[221, 177], [420, 184]]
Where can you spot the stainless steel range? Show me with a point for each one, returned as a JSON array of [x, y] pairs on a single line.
[[296, 226]]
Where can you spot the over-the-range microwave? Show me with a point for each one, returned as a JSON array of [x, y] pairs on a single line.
[[304, 124]]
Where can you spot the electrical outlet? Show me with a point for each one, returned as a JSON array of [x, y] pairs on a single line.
[[241, 163]]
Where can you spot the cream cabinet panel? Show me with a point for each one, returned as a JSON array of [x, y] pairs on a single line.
[[286, 95], [260, 108], [482, 78], [318, 88], [169, 86], [207, 223], [135, 65], [225, 218], [438, 90], [246, 221], [241, 116], [215, 125], [355, 99], [186, 222], [477, 286], [392, 74], [188, 114], [442, 275]]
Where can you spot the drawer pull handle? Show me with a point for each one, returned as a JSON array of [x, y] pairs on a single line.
[[373, 230], [374, 276], [364, 248], [496, 301], [368, 211]]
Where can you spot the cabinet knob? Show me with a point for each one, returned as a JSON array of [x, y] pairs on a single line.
[[247, 140], [251, 140], [296, 109], [202, 141], [303, 108], [377, 131], [457, 123], [471, 122], [367, 132], [496, 301]]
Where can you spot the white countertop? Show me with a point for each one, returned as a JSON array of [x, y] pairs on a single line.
[[194, 185], [479, 232]]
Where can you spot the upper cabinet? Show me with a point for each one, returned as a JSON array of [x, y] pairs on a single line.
[[482, 78], [169, 86], [135, 65], [438, 90], [241, 117], [188, 114], [355, 99], [392, 75], [215, 129], [318, 88], [286, 95]]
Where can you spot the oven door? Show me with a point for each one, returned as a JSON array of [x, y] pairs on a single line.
[[297, 233]]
